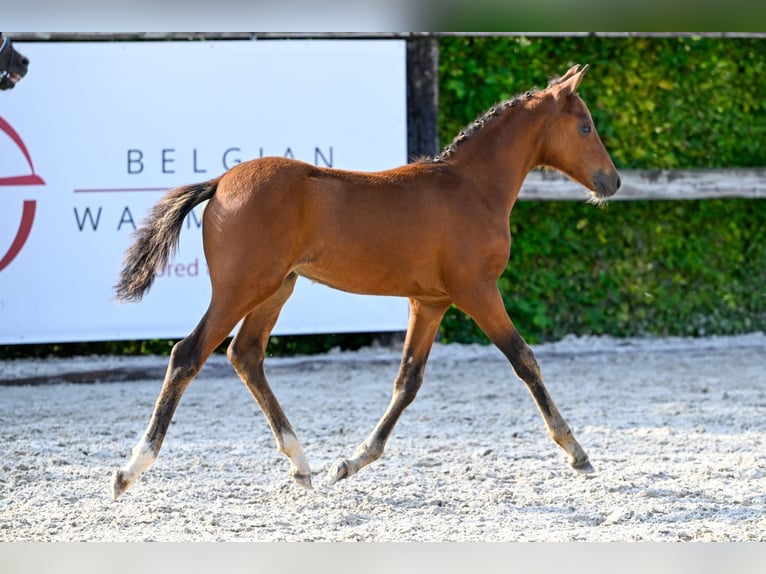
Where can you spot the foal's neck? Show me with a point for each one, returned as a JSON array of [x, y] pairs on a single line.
[[499, 155]]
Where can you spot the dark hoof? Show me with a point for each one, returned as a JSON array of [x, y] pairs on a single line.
[[303, 479], [584, 467], [339, 472], [119, 484]]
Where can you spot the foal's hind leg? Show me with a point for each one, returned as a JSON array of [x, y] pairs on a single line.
[[423, 324], [186, 360], [246, 353], [487, 309]]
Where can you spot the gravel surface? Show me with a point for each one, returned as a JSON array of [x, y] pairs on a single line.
[[674, 427]]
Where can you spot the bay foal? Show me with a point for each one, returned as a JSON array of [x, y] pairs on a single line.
[[435, 231]]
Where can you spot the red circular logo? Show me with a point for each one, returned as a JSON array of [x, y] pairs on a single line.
[[29, 206]]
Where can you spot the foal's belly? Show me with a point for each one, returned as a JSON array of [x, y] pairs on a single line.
[[375, 279]]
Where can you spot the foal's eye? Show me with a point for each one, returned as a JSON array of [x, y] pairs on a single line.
[[585, 129]]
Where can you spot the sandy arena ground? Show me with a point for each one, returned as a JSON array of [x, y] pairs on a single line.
[[674, 427]]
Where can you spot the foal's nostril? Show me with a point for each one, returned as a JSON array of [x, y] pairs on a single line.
[[617, 183]]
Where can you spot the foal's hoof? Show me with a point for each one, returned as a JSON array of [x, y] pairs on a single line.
[[303, 479], [119, 484], [338, 472], [584, 467]]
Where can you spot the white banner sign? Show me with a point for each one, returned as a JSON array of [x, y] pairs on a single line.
[[96, 132]]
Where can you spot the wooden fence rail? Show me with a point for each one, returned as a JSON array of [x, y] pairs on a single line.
[[655, 184]]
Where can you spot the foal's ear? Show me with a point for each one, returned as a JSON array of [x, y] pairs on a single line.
[[569, 82]]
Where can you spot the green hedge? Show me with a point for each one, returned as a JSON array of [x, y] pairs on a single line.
[[635, 268], [657, 102]]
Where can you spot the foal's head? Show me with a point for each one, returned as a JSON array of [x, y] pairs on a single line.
[[571, 143]]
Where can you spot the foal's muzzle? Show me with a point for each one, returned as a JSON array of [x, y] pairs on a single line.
[[13, 65], [606, 184]]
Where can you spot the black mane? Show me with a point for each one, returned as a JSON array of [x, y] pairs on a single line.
[[483, 120]]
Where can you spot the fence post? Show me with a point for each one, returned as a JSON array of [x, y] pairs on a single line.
[[422, 97]]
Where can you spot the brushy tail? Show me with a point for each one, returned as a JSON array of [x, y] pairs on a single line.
[[157, 238]]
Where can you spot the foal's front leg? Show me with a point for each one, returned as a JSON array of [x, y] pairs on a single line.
[[487, 309], [423, 324]]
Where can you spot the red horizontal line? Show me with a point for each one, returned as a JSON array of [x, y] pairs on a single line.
[[121, 189]]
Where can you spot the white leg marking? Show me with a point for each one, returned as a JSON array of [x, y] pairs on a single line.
[[142, 458], [292, 449]]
